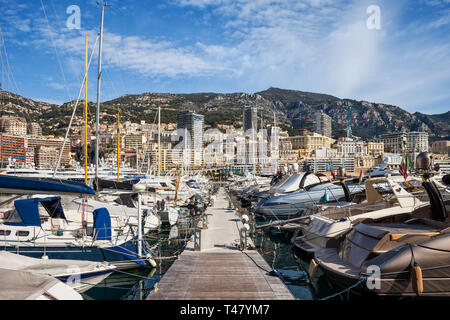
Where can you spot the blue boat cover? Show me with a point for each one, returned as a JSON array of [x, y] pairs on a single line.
[[192, 184], [102, 224], [29, 212], [43, 184]]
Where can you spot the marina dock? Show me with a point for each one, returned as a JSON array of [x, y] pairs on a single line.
[[220, 270]]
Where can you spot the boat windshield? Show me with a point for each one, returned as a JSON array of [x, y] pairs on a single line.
[[12, 216]]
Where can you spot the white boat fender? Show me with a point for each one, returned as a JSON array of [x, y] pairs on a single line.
[[312, 268], [150, 260], [245, 218], [44, 257]]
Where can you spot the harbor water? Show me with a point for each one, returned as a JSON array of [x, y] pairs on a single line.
[[136, 284], [168, 242]]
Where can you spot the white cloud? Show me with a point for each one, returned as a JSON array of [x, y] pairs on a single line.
[[316, 45]]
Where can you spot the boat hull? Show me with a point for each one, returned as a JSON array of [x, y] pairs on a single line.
[[123, 256]]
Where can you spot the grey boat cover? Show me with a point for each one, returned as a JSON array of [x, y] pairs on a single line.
[[20, 285], [52, 267]]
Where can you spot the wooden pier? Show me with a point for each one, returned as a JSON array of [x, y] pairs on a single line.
[[220, 270]]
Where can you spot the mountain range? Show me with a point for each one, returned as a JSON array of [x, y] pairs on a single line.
[[293, 109]]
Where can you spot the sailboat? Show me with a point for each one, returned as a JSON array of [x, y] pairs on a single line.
[[37, 227]]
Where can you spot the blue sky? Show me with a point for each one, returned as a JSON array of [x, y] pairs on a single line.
[[184, 46]]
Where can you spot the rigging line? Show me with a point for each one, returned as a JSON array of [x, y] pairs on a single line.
[[56, 52], [4, 71], [74, 109], [9, 70]]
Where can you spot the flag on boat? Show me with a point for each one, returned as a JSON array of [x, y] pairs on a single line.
[[360, 176], [408, 163], [404, 167], [332, 174]]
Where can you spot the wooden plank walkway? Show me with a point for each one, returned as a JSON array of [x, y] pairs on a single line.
[[220, 271]]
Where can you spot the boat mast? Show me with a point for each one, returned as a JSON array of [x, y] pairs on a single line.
[[275, 129], [85, 113], [97, 113], [159, 141], [85, 130], [118, 145]]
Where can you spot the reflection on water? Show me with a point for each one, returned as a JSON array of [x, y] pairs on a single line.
[[136, 284], [277, 250], [168, 242]]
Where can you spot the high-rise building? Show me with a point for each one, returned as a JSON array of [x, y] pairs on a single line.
[[323, 124], [250, 118], [193, 124]]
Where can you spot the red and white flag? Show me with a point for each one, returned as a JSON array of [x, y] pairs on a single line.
[[403, 171], [360, 177], [332, 174]]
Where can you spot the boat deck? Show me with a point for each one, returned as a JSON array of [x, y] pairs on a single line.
[[220, 271]]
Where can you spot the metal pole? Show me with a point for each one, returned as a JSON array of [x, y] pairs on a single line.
[[85, 113], [159, 141], [118, 146], [139, 226], [97, 114]]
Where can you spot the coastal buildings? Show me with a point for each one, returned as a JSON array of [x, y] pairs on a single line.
[[309, 142], [192, 123], [322, 123], [328, 164], [13, 125], [441, 147], [12, 147], [414, 141], [351, 147], [36, 142], [46, 157], [250, 118], [34, 129]]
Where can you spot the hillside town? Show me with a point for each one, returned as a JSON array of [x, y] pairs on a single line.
[[252, 147]]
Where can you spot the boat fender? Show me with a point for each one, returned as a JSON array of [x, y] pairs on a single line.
[[312, 268], [416, 272], [150, 260], [44, 257]]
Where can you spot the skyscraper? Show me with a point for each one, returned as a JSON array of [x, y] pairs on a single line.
[[250, 118], [193, 124], [323, 124]]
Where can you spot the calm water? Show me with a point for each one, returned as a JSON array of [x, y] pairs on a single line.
[[170, 241], [137, 284]]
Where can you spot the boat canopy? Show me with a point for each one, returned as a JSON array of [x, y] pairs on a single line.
[[20, 185], [192, 184], [28, 210]]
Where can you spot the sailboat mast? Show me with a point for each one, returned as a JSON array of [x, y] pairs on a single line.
[[97, 113], [159, 141], [118, 146], [85, 130], [85, 113]]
